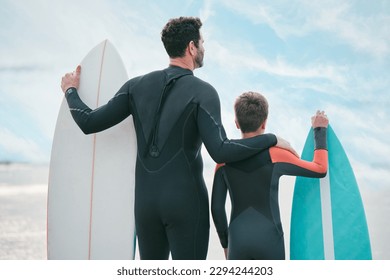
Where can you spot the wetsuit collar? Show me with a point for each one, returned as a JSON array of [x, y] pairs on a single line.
[[178, 70]]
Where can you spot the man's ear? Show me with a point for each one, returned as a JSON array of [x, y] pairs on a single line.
[[191, 48]]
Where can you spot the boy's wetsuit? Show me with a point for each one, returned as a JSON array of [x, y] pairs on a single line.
[[255, 229], [171, 200]]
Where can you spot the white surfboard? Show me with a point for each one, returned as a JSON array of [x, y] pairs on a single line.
[[91, 181]]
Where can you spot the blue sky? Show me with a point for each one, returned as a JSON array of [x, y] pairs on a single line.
[[302, 55]]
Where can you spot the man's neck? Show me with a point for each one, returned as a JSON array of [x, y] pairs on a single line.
[[182, 62]]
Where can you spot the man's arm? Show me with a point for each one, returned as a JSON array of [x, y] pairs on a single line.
[[91, 121], [222, 149]]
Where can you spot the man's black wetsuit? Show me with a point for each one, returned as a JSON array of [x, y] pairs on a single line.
[[255, 229], [171, 200]]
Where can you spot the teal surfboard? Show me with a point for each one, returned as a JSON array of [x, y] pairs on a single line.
[[328, 219]]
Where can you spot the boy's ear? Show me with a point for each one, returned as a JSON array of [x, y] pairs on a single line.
[[264, 124], [237, 125]]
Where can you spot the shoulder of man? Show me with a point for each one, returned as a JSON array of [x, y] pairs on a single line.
[[153, 76]]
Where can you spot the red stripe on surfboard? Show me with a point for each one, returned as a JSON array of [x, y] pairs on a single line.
[[94, 154]]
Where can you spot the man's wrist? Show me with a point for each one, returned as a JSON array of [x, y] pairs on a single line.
[[69, 91]]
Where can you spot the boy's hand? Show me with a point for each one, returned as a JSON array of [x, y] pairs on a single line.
[[320, 119]]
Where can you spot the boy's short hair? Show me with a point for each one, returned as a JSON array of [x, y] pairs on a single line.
[[251, 109]]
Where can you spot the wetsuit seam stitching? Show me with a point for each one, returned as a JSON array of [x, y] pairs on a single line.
[[120, 94], [83, 111], [183, 132]]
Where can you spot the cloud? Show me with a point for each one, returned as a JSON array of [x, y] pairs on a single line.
[[364, 33], [367, 34], [207, 11], [281, 16], [60, 34], [42, 40], [242, 57]]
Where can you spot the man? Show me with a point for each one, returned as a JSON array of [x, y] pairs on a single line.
[[255, 230], [173, 112]]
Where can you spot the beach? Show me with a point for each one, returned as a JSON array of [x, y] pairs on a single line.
[[23, 195]]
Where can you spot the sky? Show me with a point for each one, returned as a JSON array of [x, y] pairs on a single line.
[[302, 55]]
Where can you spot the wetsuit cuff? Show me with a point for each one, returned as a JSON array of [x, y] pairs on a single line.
[[320, 138], [274, 139], [271, 138], [70, 91]]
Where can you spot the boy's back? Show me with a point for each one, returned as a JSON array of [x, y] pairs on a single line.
[[255, 230]]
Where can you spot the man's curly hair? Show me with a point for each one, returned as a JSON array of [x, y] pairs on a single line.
[[178, 33]]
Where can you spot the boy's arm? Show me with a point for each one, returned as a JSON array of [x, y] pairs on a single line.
[[288, 164], [218, 200]]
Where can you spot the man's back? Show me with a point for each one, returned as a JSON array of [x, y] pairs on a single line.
[[164, 106]]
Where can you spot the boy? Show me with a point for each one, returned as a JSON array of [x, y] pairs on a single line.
[[255, 230]]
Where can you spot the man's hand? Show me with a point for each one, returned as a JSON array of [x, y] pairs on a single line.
[[320, 119], [71, 79], [285, 145]]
